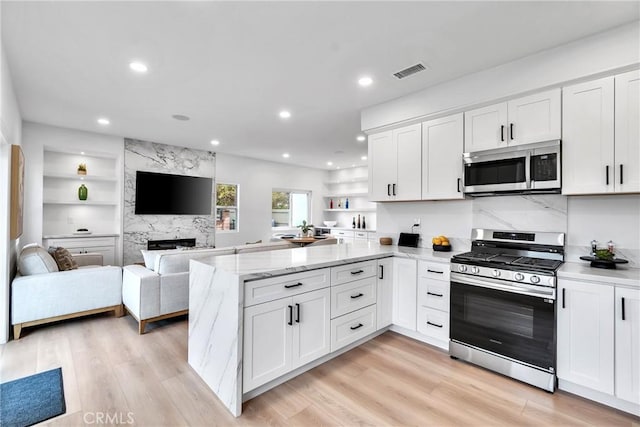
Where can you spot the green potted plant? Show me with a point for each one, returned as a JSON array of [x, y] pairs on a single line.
[[306, 229], [82, 169]]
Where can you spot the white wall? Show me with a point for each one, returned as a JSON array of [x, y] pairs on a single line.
[[35, 137], [256, 180], [600, 53], [10, 133]]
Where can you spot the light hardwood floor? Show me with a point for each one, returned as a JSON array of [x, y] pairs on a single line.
[[392, 380]]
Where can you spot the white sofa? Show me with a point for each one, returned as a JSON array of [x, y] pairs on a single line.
[[160, 289], [48, 295]]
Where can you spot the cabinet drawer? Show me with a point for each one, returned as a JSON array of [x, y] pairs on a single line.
[[85, 243], [361, 234], [351, 272], [263, 290], [433, 323], [353, 326], [342, 233], [433, 294], [435, 270], [352, 296]]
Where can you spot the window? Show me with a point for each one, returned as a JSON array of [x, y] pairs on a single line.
[[290, 207], [226, 207]]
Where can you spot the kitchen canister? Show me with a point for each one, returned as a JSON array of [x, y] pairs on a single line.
[[83, 192]]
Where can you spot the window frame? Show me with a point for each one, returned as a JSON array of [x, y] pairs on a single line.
[[236, 207], [309, 194]]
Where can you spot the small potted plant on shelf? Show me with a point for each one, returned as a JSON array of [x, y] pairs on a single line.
[[306, 229], [82, 169]]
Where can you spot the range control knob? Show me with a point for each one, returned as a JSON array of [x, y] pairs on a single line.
[[462, 268], [496, 273], [519, 276], [534, 279], [475, 270]]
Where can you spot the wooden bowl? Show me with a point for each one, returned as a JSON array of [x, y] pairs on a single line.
[[385, 240]]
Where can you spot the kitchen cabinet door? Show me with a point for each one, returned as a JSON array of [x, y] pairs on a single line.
[[534, 118], [442, 143], [382, 166], [267, 342], [627, 131], [485, 128], [627, 325], [311, 332], [384, 294], [586, 334], [588, 137], [405, 283], [408, 141]]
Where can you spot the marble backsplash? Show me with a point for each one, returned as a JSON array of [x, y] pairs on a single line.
[[154, 157], [522, 213]]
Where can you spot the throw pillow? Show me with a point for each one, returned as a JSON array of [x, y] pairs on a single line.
[[36, 260], [63, 258]]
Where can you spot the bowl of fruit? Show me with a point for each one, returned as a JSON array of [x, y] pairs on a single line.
[[441, 244]]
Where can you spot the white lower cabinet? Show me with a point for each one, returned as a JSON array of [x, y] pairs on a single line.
[[353, 326], [433, 302], [384, 294], [404, 293], [352, 296], [599, 339], [284, 334], [434, 324], [585, 334], [627, 325], [82, 245]]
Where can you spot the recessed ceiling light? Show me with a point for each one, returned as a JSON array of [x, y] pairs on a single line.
[[181, 117], [215, 142], [138, 67], [365, 81], [286, 155], [103, 121], [82, 152], [363, 158], [353, 166], [284, 114], [361, 138], [329, 163]]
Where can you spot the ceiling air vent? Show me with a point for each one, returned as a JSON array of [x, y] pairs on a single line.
[[409, 71]]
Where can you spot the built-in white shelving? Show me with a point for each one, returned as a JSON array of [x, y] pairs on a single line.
[[80, 177], [348, 180], [351, 184], [79, 203], [356, 210]]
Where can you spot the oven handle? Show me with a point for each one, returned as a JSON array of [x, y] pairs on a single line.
[[489, 283]]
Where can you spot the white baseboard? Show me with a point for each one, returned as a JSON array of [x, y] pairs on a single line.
[[600, 397], [443, 345]]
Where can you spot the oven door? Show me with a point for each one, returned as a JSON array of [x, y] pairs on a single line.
[[507, 171], [518, 323]]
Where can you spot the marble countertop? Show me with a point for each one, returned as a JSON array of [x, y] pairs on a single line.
[[260, 265], [582, 271]]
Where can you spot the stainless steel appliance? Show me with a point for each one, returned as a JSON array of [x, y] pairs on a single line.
[[531, 168], [503, 296]]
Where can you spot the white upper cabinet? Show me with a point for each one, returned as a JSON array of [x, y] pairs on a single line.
[[485, 128], [587, 137], [395, 164], [601, 136], [532, 118], [442, 141], [627, 132]]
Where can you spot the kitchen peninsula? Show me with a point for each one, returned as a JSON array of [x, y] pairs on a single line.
[[330, 290]]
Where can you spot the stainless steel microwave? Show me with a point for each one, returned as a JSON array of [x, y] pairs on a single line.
[[531, 168]]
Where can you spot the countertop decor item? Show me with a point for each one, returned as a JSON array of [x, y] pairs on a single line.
[[442, 248], [609, 263], [82, 169], [385, 240], [83, 192], [330, 223], [306, 229]]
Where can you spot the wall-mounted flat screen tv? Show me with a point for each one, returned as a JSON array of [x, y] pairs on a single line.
[[165, 194]]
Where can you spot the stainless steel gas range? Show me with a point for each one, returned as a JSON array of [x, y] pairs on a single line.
[[503, 296]]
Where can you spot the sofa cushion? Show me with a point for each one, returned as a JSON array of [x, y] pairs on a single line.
[[63, 258], [177, 261], [150, 257], [36, 260]]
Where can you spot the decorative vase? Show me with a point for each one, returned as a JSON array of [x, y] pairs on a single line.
[[82, 192]]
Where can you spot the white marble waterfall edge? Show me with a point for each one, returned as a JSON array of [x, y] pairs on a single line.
[[215, 331]]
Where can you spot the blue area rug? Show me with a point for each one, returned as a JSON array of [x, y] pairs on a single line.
[[32, 399]]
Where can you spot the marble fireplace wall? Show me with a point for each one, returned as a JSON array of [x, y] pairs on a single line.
[[161, 158]]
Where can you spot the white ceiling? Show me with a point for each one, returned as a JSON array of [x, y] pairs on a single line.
[[231, 66]]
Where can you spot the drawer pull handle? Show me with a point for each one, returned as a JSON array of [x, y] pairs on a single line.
[[435, 295], [434, 324], [357, 272], [295, 285], [360, 325], [357, 296], [434, 271]]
